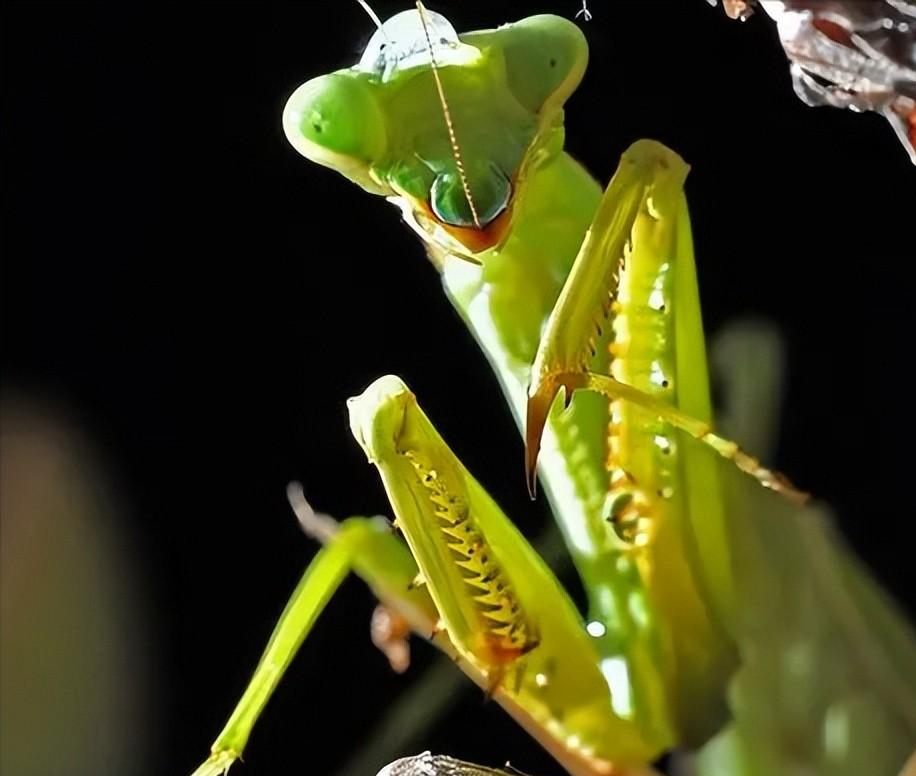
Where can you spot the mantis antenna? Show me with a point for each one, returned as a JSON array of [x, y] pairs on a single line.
[[373, 15], [453, 139]]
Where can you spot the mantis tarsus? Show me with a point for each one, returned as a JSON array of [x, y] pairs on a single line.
[[593, 297]]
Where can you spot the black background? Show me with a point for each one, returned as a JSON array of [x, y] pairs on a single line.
[[205, 300]]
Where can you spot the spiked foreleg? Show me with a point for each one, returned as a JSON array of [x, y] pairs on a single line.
[[503, 611], [643, 213]]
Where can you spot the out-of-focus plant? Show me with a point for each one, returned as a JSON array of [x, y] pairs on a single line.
[[74, 679]]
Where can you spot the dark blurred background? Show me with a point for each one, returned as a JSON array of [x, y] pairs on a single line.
[[193, 302]]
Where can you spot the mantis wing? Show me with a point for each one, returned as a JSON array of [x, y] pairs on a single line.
[[827, 681]]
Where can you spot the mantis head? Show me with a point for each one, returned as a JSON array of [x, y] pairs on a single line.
[[446, 125]]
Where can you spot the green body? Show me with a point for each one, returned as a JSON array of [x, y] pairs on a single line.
[[690, 626]]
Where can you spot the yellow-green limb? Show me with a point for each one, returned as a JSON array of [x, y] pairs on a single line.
[[540, 404], [369, 547], [643, 208], [504, 614], [366, 545], [321, 579]]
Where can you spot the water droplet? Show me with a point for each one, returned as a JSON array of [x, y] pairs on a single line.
[[595, 629], [650, 209], [618, 678], [657, 299], [663, 443], [657, 376], [540, 680]]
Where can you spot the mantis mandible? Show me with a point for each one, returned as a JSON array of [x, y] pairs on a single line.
[[722, 616]]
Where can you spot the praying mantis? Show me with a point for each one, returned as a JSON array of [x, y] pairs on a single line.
[[698, 633]]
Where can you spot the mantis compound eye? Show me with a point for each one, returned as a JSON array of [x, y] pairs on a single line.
[[545, 59], [488, 188], [335, 120]]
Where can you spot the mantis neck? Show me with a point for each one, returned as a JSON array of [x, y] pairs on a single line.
[[506, 302]]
